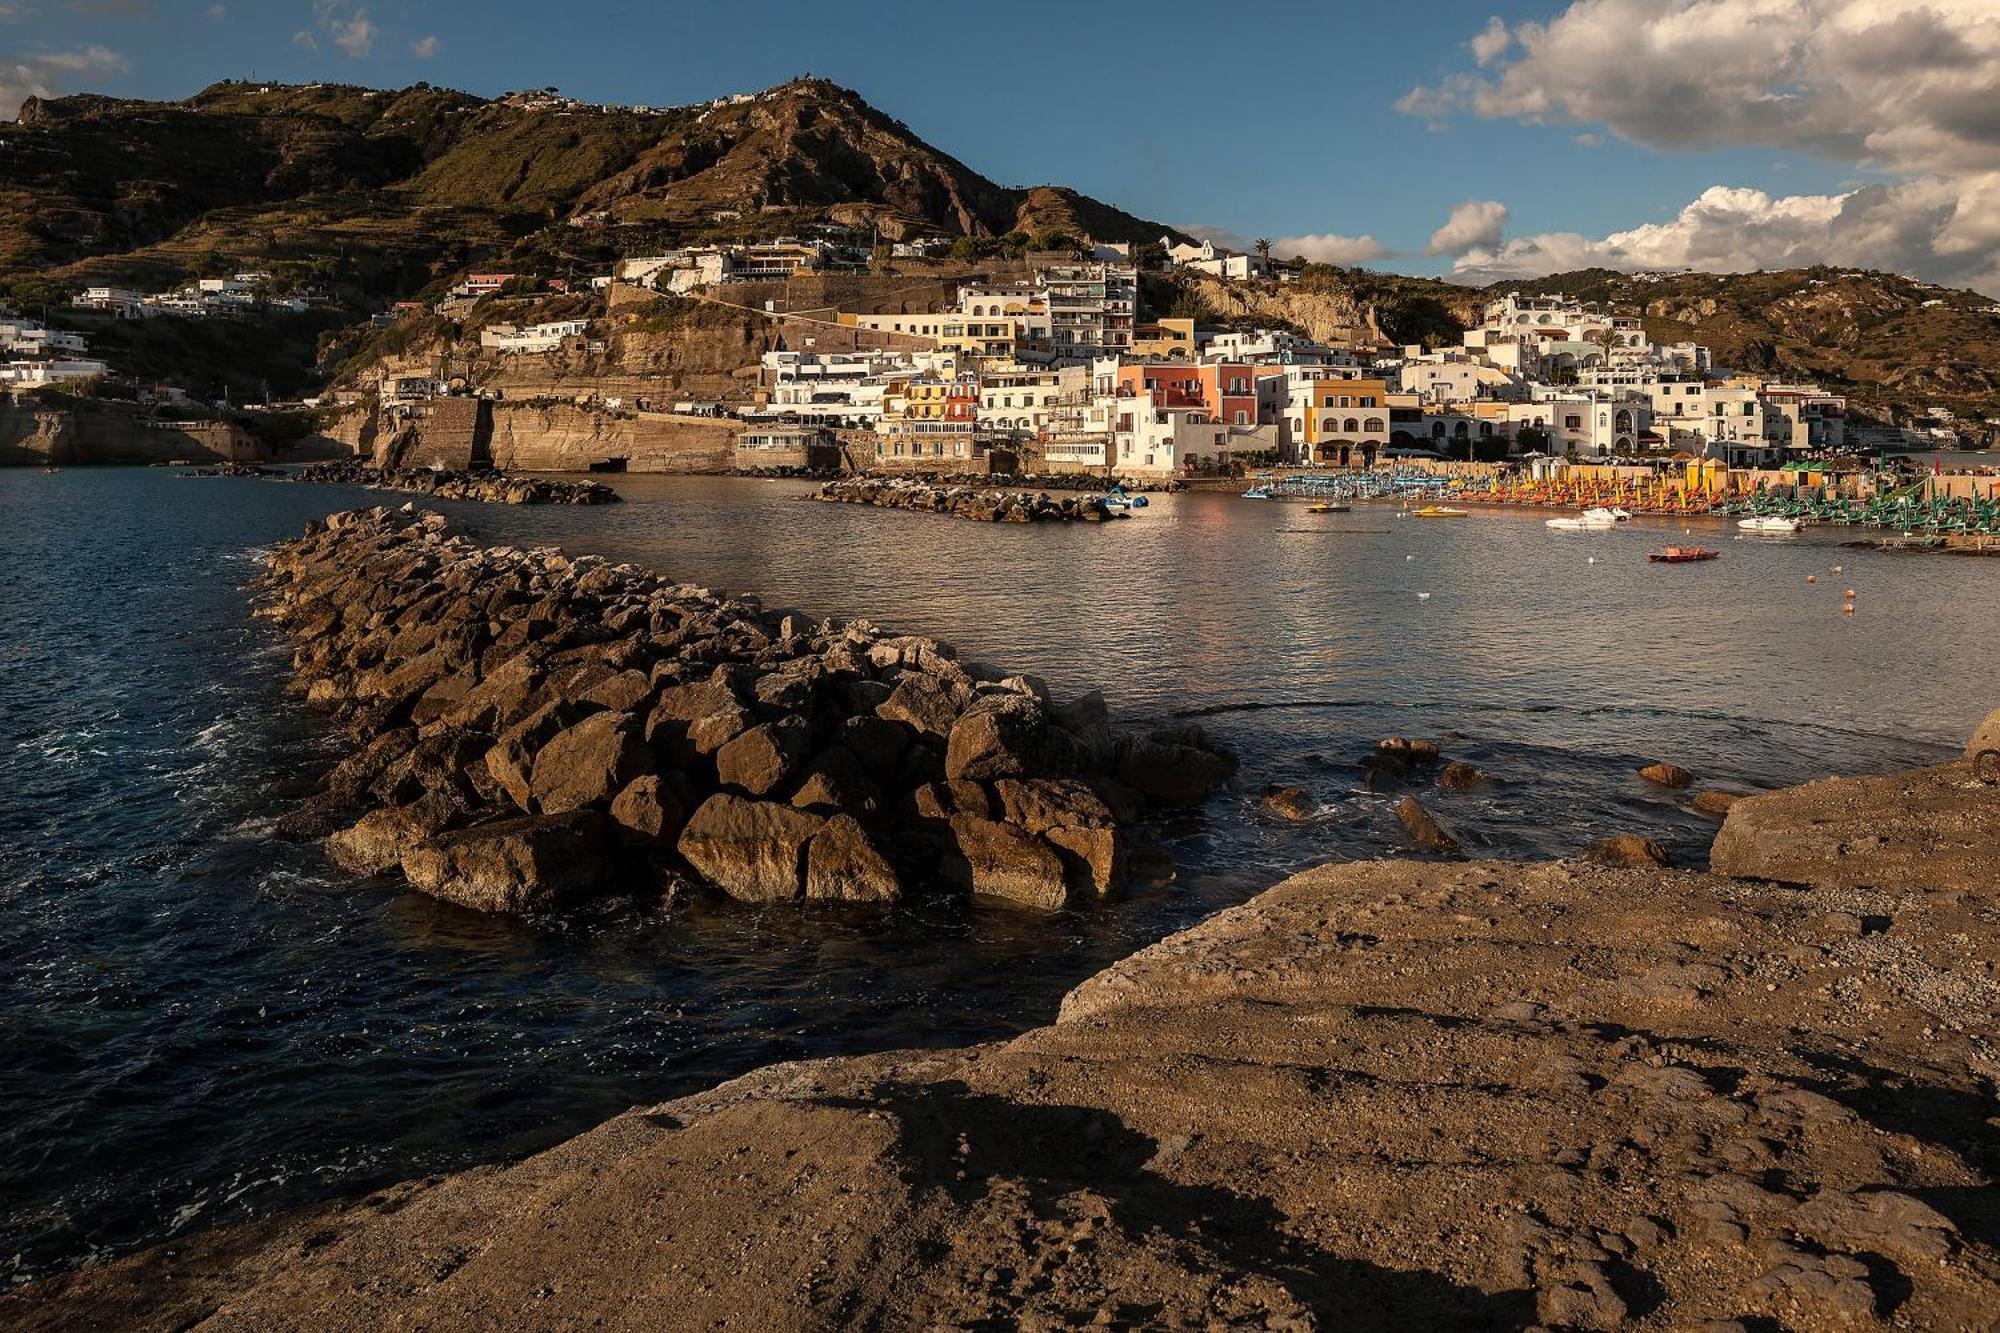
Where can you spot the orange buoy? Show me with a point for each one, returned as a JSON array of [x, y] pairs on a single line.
[[1812, 578], [1836, 569], [1850, 594], [1847, 609]]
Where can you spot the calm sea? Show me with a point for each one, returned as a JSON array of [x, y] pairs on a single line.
[[203, 1022]]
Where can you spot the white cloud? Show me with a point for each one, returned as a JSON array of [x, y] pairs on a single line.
[[1587, 139], [51, 73], [1940, 230], [1492, 42], [1476, 224], [355, 36], [1909, 91], [423, 48], [216, 13], [1330, 248]]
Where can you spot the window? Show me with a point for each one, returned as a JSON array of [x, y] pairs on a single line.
[[1242, 418]]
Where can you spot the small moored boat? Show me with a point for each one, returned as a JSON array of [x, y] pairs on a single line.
[[1681, 555], [1440, 511], [1327, 507], [1769, 523], [1257, 493]]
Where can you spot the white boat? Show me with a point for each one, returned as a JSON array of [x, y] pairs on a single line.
[[1769, 523], [1590, 520], [1619, 514]]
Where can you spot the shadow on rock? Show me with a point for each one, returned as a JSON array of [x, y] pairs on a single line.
[[962, 1142]]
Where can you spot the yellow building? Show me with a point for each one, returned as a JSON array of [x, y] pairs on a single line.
[[947, 331], [1341, 416], [1168, 339]]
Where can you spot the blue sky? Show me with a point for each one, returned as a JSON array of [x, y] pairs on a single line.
[[1276, 120]]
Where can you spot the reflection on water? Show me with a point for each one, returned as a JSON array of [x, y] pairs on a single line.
[[206, 1022]]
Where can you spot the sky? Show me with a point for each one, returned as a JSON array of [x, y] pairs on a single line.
[[1467, 138]]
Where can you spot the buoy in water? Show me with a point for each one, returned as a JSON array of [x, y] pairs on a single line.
[[1409, 557], [1847, 609], [1812, 578], [1850, 594], [1591, 561], [1836, 569], [1425, 597]]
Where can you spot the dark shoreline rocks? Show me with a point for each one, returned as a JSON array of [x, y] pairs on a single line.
[[446, 484], [979, 503], [229, 470], [533, 730]]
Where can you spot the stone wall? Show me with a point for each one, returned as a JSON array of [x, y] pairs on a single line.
[[36, 437]]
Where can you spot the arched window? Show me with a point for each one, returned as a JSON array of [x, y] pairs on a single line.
[[1351, 426], [1374, 425]]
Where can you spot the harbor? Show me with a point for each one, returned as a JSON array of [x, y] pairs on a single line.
[[1927, 510]]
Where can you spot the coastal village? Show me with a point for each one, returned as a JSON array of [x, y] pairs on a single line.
[[1062, 371]]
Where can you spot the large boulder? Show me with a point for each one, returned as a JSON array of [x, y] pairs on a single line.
[[843, 864], [1626, 850], [1424, 829], [511, 761], [646, 813], [923, 702], [1001, 861], [526, 864], [751, 850], [589, 763], [765, 757], [374, 844], [1000, 736], [1986, 737], [1929, 828], [1668, 775], [1171, 772]]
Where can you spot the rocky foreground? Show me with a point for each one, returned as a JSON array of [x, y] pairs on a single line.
[[446, 484], [532, 730], [1381, 1095], [980, 503]]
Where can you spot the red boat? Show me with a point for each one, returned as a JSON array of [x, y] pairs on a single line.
[[1680, 555]]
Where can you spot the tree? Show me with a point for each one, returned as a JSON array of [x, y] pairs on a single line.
[[1264, 249], [965, 247]]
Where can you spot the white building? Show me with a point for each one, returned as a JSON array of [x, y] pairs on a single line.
[[116, 301], [533, 337], [1091, 308], [1153, 436]]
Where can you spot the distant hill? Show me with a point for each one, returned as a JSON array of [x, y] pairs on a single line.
[[379, 192]]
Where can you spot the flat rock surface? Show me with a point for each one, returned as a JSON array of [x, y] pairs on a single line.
[[1938, 826], [1389, 1094]]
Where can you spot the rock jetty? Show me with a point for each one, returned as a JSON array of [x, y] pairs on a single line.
[[975, 502], [230, 470], [445, 484], [1386, 1095], [533, 730]]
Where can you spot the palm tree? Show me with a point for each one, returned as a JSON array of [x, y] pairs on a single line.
[[1263, 244]]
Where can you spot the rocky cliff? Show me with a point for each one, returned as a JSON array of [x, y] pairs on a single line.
[[40, 436], [1382, 1095]]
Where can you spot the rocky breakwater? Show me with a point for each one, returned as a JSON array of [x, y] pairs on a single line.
[[534, 730], [980, 503], [444, 484], [1386, 1095]]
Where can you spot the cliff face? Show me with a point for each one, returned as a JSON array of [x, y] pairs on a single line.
[[1333, 305], [1381, 1095], [32, 436]]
